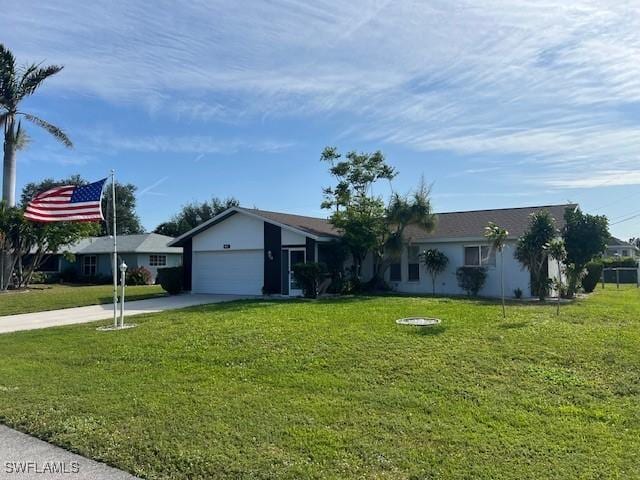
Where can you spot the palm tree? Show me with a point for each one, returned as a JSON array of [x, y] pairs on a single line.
[[17, 83], [558, 252], [498, 236], [435, 262]]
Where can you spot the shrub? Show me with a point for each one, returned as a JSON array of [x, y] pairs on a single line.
[[138, 276], [591, 279], [170, 279], [517, 293], [69, 275], [38, 278], [309, 275], [471, 279]]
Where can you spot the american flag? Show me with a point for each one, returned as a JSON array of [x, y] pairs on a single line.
[[68, 204]]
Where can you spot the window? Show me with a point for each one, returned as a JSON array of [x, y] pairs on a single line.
[[89, 265], [395, 272], [414, 263], [625, 253], [478, 255], [157, 260]]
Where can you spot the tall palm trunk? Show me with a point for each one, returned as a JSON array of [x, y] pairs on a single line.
[[504, 309], [559, 288], [8, 195], [9, 171]]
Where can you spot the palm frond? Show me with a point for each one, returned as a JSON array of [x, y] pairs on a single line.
[[8, 89], [52, 129], [34, 76], [22, 138]]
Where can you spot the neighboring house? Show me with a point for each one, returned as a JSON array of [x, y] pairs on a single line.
[[249, 251], [620, 248], [93, 256]]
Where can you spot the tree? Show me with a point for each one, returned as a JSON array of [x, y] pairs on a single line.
[[635, 241], [497, 236], [193, 214], [127, 221], [16, 84], [532, 250], [435, 262], [585, 238], [559, 254], [366, 224]]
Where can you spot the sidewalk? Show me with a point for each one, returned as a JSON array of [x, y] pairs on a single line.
[[70, 316], [23, 457]]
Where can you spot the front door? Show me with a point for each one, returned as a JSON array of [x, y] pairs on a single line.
[[295, 256]]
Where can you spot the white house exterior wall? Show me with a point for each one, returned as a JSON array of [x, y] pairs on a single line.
[[515, 276], [292, 238], [238, 232]]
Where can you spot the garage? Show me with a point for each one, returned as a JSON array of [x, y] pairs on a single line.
[[232, 272]]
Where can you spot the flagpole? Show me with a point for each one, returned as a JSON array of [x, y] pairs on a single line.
[[115, 251]]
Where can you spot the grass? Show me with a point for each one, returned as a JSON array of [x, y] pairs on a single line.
[[334, 389], [52, 297]]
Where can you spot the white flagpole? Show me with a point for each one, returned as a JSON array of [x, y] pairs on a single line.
[[115, 251]]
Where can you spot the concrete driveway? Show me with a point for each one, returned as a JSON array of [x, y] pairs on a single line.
[[70, 316]]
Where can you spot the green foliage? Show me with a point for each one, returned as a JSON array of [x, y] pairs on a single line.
[[309, 275], [585, 238], [532, 250], [471, 279], [138, 276], [367, 226], [193, 214], [612, 262], [171, 279], [592, 277], [127, 221], [435, 262]]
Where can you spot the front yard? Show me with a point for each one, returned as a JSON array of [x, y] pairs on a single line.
[[52, 297], [334, 389]]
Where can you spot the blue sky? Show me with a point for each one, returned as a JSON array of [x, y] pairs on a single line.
[[497, 103]]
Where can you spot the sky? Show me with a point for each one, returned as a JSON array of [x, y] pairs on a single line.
[[499, 103]]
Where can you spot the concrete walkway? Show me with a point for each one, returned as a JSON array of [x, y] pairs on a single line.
[[70, 316], [23, 457]]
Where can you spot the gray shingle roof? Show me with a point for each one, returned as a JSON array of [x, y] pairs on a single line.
[[142, 243], [316, 226], [468, 224], [471, 224], [451, 225], [613, 241]]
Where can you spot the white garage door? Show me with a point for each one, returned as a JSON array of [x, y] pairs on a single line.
[[240, 272]]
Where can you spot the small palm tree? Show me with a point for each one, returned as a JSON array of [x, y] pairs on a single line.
[[498, 236], [435, 262], [558, 252], [17, 83]]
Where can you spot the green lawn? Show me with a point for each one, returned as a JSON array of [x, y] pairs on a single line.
[[52, 297], [334, 389]]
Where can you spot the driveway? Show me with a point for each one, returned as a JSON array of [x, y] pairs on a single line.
[[23, 457], [70, 316]]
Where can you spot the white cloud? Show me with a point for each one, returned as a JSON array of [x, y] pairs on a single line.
[[608, 178], [549, 83]]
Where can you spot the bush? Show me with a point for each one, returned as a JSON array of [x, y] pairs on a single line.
[[171, 279], [517, 293], [471, 279], [591, 279], [309, 276], [138, 276], [38, 278], [69, 275]]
